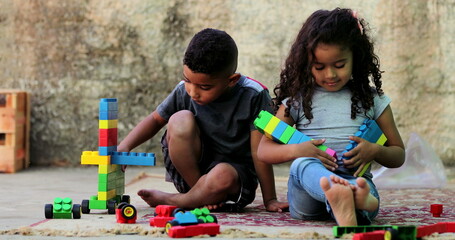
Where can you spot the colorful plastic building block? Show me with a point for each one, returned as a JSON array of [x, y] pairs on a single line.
[[369, 131], [436, 209], [442, 227], [163, 214], [62, 208], [396, 232], [126, 213], [111, 178], [281, 132], [192, 223]]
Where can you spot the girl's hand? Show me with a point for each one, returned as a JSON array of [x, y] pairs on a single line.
[[361, 155], [273, 205], [309, 149]]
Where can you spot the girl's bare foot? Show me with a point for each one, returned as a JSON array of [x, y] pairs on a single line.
[[341, 199], [362, 197]]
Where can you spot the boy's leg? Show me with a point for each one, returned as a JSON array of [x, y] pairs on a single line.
[[184, 146], [211, 188]]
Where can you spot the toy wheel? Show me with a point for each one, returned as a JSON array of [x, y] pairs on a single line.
[[126, 199], [391, 234], [76, 211], [211, 218], [111, 205], [49, 211], [128, 211], [85, 206], [170, 224], [176, 211], [121, 205]]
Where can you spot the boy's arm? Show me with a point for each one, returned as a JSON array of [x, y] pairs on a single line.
[[145, 130], [266, 178]]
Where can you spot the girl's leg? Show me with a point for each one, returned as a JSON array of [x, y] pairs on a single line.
[[305, 196]]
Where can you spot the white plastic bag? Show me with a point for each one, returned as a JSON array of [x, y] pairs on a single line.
[[422, 168]]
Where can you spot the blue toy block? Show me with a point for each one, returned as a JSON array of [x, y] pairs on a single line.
[[108, 115], [369, 131], [108, 104], [276, 134], [131, 158], [105, 151]]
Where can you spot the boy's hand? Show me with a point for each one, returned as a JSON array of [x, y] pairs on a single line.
[[362, 154], [309, 149], [273, 205]]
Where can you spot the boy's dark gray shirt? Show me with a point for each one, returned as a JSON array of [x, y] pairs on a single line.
[[227, 122]]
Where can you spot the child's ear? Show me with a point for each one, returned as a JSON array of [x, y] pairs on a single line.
[[233, 79]]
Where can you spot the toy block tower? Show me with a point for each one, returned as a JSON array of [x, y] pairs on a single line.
[[281, 132], [111, 178], [14, 130]]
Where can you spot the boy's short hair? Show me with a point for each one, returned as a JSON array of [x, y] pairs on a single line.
[[212, 52]]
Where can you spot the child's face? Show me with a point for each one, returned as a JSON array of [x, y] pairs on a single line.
[[332, 66], [204, 88]]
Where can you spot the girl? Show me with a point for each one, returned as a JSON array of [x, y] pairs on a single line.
[[325, 91]]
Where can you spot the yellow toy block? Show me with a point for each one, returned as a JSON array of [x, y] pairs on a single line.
[[382, 140], [107, 124], [105, 169], [93, 158], [106, 195], [268, 130]]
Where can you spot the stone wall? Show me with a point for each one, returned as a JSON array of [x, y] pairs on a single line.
[[70, 53]]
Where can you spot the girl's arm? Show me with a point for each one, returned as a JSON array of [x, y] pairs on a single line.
[[266, 178], [272, 152], [391, 155]]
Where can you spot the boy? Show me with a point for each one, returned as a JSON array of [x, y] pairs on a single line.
[[210, 142]]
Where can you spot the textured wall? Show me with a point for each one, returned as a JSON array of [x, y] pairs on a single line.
[[71, 53]]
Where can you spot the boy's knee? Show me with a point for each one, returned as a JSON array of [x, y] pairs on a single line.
[[181, 123], [223, 177]]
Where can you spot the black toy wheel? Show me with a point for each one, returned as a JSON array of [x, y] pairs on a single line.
[[85, 206], [126, 198], [49, 211], [215, 220], [128, 211], [176, 211], [111, 205], [391, 234], [170, 224], [76, 211], [120, 205]]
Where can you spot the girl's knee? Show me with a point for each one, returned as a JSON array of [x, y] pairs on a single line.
[[299, 164]]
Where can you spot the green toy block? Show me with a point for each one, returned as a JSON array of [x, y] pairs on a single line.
[[404, 232], [287, 134], [63, 208], [97, 204], [261, 121]]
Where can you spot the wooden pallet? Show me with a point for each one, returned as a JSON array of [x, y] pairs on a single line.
[[14, 130]]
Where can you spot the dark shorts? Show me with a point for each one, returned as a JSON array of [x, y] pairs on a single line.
[[209, 160]]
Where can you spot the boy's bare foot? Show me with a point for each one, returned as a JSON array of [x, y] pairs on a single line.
[[155, 197], [341, 199], [362, 197]]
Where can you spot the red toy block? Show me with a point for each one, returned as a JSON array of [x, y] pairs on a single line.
[[450, 226], [211, 229], [107, 137], [436, 209], [375, 235], [430, 229], [163, 214]]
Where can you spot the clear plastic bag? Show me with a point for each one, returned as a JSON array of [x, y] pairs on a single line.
[[421, 169]]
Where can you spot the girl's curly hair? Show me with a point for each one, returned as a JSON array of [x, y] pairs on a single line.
[[339, 27]]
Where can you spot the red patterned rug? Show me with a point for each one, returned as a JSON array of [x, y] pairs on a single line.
[[398, 207]]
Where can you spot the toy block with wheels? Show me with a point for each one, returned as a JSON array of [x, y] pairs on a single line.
[[126, 213], [192, 223], [111, 178], [163, 214], [62, 208], [281, 132], [14, 130]]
